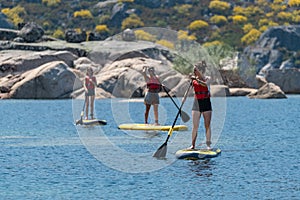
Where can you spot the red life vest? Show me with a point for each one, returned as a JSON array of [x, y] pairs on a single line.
[[153, 84], [88, 84], [201, 91]]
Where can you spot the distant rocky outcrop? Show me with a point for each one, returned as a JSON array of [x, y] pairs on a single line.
[[74, 37], [53, 80], [275, 57], [31, 32], [117, 66], [268, 91], [287, 79]]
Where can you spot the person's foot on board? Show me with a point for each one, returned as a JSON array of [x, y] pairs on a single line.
[[191, 147], [208, 148]]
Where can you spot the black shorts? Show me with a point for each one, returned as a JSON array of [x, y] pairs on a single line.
[[202, 105]]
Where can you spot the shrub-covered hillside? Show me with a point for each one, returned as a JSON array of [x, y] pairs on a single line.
[[237, 23]]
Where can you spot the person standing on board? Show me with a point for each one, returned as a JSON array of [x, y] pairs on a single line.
[[151, 96], [90, 84], [202, 103]]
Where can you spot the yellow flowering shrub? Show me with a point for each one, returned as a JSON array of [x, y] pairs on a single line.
[[238, 10], [218, 20], [51, 2], [143, 35], [183, 35], [251, 36], [296, 19], [133, 21], [198, 25], [166, 43], [213, 43], [59, 34], [286, 16], [247, 27], [219, 6], [83, 14], [294, 3], [14, 14], [263, 28], [101, 29], [183, 9], [239, 19]]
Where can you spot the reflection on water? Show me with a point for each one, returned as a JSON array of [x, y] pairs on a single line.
[[201, 167]]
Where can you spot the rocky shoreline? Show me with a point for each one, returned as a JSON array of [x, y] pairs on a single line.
[[54, 69]]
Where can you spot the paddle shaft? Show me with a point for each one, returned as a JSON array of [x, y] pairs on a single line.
[[162, 150], [184, 98], [82, 112]]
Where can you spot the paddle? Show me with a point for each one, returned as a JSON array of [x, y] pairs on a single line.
[[81, 114], [184, 116], [162, 150]]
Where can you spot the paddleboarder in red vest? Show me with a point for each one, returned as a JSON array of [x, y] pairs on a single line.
[[202, 104], [151, 96], [90, 84]]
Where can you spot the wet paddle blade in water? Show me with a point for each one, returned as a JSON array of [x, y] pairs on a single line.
[[161, 151]]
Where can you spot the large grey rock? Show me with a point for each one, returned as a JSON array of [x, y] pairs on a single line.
[[73, 37], [288, 80], [31, 32], [241, 91], [268, 91], [52, 80], [8, 34], [21, 61], [123, 78]]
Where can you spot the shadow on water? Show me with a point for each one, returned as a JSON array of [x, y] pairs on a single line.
[[202, 168]]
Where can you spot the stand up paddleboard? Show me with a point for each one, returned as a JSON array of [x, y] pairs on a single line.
[[196, 154], [150, 127], [91, 122]]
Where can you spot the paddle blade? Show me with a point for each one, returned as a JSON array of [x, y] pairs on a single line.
[[184, 116], [161, 151]]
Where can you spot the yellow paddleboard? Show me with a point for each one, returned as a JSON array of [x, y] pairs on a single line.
[[151, 127]]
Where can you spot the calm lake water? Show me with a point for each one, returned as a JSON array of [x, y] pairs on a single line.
[[45, 156]]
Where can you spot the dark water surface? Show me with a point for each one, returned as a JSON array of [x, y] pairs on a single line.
[[44, 156]]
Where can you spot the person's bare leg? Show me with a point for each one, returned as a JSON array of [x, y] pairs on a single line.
[[207, 121], [155, 108], [92, 106], [196, 119], [86, 107], [147, 112]]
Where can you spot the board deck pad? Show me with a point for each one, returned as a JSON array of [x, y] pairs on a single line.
[[196, 154], [90, 122], [151, 127]]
